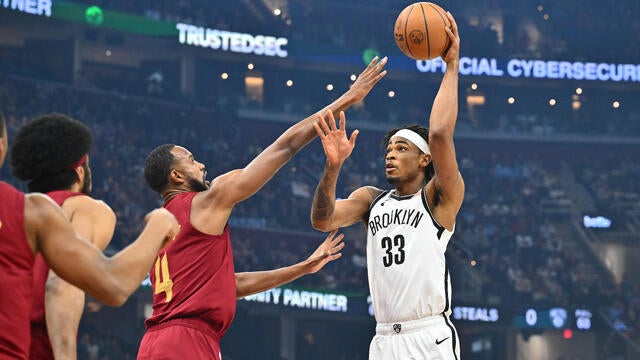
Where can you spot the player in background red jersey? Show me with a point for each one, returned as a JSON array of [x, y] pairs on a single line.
[[64, 174], [32, 224]]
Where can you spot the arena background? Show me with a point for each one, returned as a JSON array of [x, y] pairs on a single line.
[[546, 245]]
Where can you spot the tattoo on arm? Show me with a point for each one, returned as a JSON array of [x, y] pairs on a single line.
[[324, 203], [324, 206]]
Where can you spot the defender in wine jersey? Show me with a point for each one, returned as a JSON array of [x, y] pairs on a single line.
[[65, 304], [193, 279], [16, 262], [64, 174], [194, 290], [408, 228], [195, 287], [32, 224]]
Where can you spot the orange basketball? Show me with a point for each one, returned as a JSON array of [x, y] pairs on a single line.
[[420, 31]]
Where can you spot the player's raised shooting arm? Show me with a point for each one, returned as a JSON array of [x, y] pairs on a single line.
[[442, 122], [326, 212], [111, 280], [64, 303], [241, 184], [249, 283]]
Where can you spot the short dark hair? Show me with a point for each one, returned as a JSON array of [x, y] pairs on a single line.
[[429, 171], [158, 166], [45, 149]]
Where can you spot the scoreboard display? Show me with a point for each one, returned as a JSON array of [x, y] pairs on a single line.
[[554, 318]]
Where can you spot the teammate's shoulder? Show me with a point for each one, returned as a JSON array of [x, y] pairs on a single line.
[[90, 205], [39, 199], [104, 208], [39, 205]]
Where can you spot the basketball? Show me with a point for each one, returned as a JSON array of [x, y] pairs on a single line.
[[420, 31]]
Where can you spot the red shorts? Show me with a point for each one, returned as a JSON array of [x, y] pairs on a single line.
[[40, 344], [179, 340]]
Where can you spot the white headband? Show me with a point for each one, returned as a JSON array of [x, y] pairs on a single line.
[[416, 139]]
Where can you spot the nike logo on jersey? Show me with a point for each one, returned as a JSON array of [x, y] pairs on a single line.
[[438, 342]]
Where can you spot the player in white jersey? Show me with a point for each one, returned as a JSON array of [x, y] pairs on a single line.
[[408, 228]]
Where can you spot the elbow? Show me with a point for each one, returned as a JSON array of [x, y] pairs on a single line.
[[246, 286], [114, 299], [122, 294], [321, 225], [439, 133], [119, 300], [114, 294], [238, 291], [67, 341]]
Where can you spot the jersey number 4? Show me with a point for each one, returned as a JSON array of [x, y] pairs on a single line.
[[163, 283], [394, 249]]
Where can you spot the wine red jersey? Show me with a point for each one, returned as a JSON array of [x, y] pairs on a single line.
[[40, 344], [16, 263], [193, 278]]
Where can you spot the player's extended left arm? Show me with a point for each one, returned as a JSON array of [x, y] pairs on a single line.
[[249, 283]]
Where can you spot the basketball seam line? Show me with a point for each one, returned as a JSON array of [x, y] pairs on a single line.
[[406, 25], [426, 29], [445, 24]]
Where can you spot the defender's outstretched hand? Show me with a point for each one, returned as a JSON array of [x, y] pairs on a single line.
[[328, 251], [334, 140], [368, 78], [248, 283]]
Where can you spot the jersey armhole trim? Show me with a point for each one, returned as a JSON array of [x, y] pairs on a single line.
[[378, 198], [440, 228]]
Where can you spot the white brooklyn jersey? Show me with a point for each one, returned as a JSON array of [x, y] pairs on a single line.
[[408, 276]]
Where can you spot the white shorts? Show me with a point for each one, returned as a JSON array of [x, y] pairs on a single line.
[[429, 338]]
